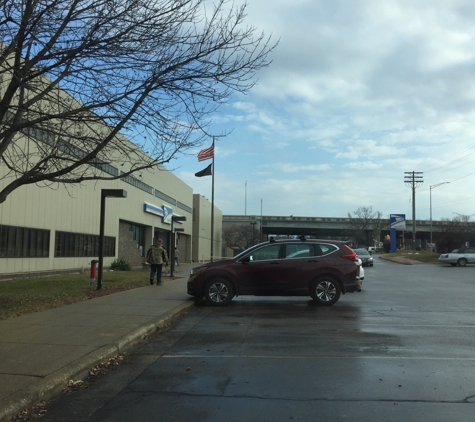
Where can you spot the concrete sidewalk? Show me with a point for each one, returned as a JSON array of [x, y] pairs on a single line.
[[41, 352]]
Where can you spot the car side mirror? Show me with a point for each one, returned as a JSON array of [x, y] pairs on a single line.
[[246, 259]]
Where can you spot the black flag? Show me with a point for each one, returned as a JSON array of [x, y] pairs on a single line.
[[206, 172]]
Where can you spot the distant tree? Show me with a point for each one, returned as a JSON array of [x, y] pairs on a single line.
[[365, 225], [154, 70], [239, 237], [453, 233]]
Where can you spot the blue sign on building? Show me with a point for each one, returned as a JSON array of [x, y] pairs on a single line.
[[165, 212]]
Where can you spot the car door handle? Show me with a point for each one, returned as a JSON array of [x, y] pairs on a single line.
[[275, 263]]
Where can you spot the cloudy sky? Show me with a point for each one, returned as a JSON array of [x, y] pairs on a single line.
[[359, 92]]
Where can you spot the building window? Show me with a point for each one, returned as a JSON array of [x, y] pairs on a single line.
[[139, 237], [48, 138], [131, 180], [184, 207], [165, 197], [67, 245], [23, 242]]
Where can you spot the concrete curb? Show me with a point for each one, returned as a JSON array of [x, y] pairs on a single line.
[[53, 383]]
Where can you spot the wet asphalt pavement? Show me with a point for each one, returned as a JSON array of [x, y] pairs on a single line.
[[401, 350]]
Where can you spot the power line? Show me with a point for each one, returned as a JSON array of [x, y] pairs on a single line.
[[452, 155], [454, 180]]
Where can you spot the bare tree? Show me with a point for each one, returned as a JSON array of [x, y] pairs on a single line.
[[74, 74], [365, 224], [239, 237], [454, 233]]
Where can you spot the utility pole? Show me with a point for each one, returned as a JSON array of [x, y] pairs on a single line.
[[413, 179]]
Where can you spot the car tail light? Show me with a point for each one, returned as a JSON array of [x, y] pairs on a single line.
[[351, 255]]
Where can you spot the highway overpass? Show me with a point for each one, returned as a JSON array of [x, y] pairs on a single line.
[[323, 227]]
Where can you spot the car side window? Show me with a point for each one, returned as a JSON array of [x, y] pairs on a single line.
[[318, 250], [298, 250], [265, 253], [324, 249], [470, 250]]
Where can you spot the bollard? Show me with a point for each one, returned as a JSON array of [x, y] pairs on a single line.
[[93, 273]]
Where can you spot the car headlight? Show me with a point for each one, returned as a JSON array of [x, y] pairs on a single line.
[[197, 270]]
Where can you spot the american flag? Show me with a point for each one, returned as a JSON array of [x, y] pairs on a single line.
[[206, 154]]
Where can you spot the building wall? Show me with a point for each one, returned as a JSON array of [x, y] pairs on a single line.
[[129, 246], [183, 244], [202, 230], [76, 209]]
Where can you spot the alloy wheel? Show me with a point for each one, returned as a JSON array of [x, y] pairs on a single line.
[[326, 291], [218, 292]]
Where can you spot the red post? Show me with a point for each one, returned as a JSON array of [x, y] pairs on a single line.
[[93, 273]]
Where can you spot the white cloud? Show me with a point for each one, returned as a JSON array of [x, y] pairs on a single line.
[[296, 168], [359, 92]]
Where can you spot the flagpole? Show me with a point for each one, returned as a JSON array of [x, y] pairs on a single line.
[[212, 207], [206, 154], [245, 198]]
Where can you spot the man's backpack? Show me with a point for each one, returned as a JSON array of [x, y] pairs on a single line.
[[148, 258]]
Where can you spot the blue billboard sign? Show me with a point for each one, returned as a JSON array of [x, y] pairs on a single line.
[[396, 222]]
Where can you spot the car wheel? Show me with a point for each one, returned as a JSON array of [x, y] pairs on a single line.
[[325, 291], [462, 262], [453, 265], [218, 292]]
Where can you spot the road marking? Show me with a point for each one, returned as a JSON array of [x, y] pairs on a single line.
[[312, 357]]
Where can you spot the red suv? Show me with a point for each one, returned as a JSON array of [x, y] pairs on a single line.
[[322, 269]]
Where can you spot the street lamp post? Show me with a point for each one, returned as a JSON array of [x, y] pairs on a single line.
[[173, 242], [430, 197], [105, 193], [253, 224]]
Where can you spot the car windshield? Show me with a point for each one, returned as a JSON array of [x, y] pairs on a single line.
[[260, 252], [241, 254], [361, 252]]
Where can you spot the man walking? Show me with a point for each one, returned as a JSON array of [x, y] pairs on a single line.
[[157, 258]]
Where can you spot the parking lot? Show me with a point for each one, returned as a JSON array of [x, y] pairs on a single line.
[[402, 349]]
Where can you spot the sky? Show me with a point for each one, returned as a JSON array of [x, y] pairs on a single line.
[[359, 92]]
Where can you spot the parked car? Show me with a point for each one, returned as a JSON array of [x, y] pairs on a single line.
[[371, 249], [322, 269], [461, 257], [361, 269], [365, 256]]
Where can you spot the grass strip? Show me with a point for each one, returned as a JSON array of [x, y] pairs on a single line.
[[27, 295], [421, 256]]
